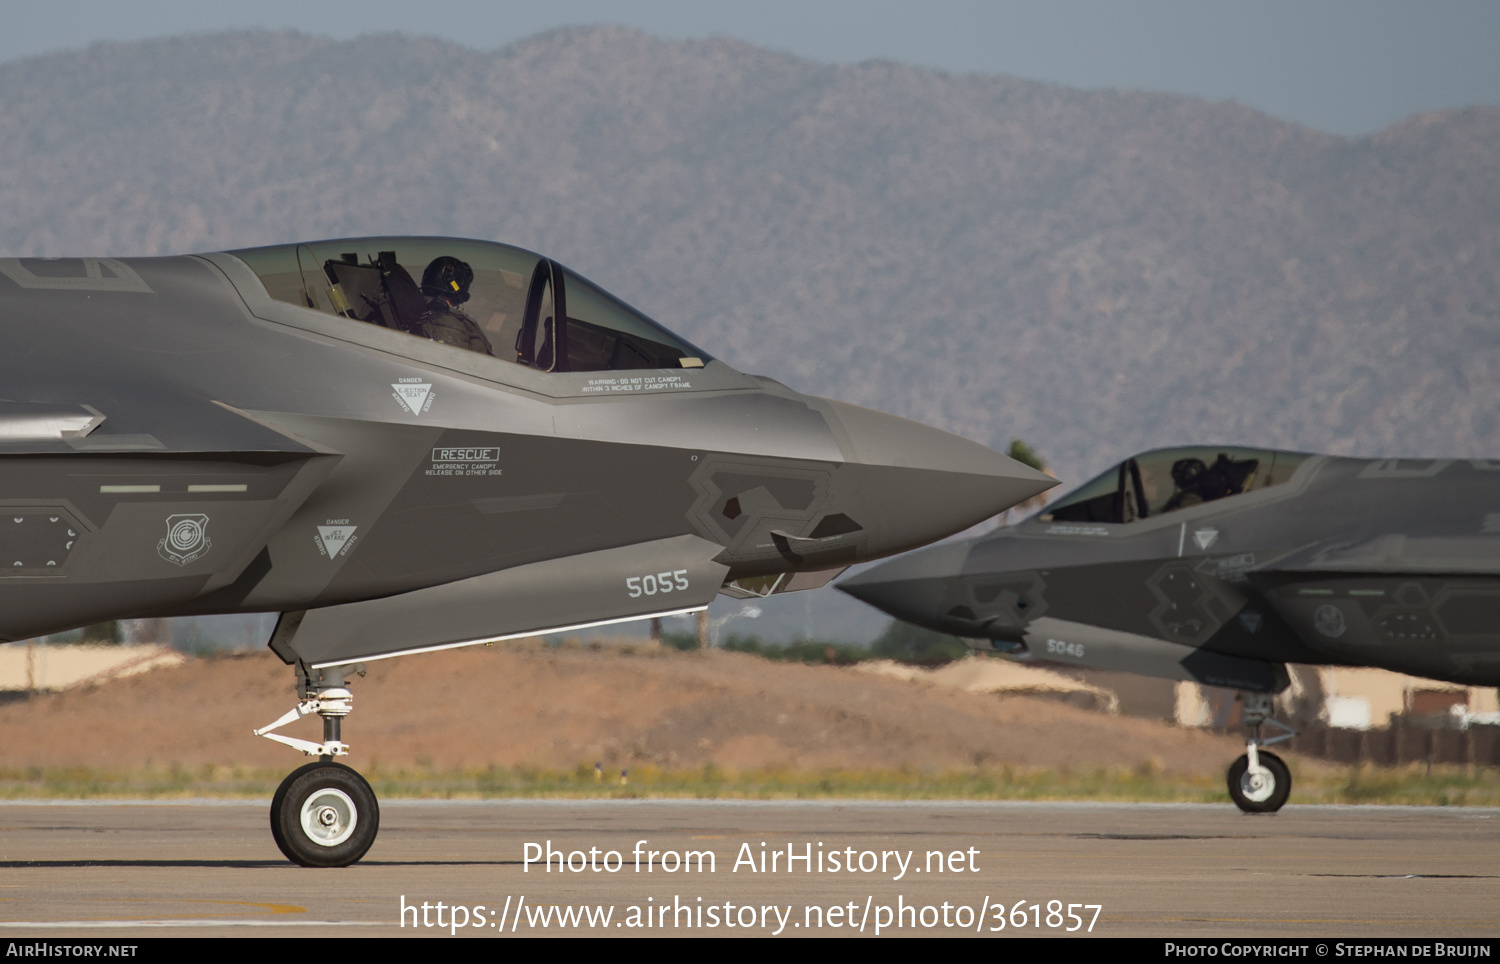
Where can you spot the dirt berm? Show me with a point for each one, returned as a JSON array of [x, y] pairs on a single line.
[[561, 707]]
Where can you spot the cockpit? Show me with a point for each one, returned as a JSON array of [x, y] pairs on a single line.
[[491, 299], [1156, 483]]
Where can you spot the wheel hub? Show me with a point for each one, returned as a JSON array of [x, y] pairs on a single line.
[[329, 817], [1257, 785]]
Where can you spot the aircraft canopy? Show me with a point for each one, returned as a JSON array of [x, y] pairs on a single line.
[[488, 298], [1155, 483]]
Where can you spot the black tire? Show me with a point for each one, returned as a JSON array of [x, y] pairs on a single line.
[[324, 815], [277, 799], [1264, 798]]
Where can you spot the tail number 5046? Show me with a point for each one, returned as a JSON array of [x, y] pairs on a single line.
[[661, 582]]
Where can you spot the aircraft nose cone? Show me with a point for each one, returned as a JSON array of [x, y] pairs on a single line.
[[913, 587], [922, 483]]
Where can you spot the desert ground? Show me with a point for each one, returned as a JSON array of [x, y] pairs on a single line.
[[564, 706]]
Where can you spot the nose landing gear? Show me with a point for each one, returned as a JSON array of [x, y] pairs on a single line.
[[324, 814], [1258, 781]]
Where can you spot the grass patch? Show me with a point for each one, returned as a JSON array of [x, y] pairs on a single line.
[[1446, 786]]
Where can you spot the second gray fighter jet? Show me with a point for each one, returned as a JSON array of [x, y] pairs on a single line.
[[1220, 565]]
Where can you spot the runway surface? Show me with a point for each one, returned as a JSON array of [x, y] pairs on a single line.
[[100, 870]]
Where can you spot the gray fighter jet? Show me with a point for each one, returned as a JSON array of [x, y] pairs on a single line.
[[1220, 565], [409, 444]]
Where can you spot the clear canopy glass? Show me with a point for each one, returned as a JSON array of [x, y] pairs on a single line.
[[1156, 483], [478, 296]]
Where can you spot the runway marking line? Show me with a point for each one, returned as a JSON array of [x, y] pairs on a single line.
[[275, 909], [187, 922], [1491, 925]]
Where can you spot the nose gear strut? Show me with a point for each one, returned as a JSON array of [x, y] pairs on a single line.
[[321, 691]]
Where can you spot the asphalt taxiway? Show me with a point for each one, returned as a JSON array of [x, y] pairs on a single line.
[[135, 869]]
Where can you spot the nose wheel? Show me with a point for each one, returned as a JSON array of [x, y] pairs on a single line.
[[324, 815], [1263, 789], [1258, 781]]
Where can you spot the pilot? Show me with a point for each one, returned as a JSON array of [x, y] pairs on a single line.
[[1224, 477], [1198, 482], [445, 285], [1187, 476]]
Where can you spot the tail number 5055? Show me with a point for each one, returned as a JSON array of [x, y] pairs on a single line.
[[661, 582]]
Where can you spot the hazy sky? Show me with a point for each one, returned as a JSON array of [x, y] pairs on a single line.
[[1348, 66]]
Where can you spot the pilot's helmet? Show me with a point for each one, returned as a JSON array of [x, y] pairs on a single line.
[[1187, 472], [447, 278]]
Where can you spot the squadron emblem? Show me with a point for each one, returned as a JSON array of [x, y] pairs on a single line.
[[187, 538], [1329, 620]]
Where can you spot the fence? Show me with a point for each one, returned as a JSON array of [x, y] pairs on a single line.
[[1400, 744]]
